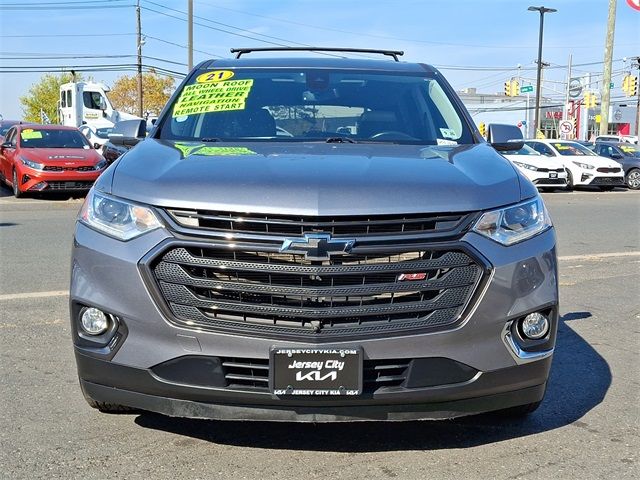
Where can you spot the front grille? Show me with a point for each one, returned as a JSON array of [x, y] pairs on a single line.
[[607, 181], [609, 170], [268, 291], [253, 374], [546, 170], [69, 185], [550, 181], [56, 168], [234, 223]]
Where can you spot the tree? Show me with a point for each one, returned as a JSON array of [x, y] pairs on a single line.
[[44, 95], [156, 92]]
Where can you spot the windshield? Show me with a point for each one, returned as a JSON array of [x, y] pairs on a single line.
[[52, 138], [573, 149], [525, 150], [315, 105], [630, 150]]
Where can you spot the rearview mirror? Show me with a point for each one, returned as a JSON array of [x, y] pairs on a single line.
[[128, 132], [504, 137]]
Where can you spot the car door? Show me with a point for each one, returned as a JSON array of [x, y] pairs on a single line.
[[7, 153]]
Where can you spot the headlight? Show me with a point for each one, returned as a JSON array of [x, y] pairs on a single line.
[[514, 224], [584, 165], [526, 165], [101, 165], [116, 217], [31, 163]]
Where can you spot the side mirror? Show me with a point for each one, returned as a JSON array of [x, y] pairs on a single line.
[[97, 146], [505, 137], [128, 132], [5, 145]]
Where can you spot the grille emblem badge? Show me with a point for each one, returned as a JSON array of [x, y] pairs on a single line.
[[317, 246]]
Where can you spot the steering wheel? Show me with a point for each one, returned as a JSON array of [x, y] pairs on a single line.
[[392, 135]]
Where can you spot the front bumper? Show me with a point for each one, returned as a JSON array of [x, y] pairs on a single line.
[[106, 274], [36, 180]]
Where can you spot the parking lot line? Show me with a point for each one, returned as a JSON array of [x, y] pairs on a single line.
[[598, 256], [22, 296]]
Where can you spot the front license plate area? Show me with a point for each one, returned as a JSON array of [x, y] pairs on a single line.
[[553, 175], [315, 371]]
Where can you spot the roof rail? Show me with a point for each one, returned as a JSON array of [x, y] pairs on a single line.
[[391, 53]]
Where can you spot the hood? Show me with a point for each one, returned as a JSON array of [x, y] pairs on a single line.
[[62, 156], [316, 178]]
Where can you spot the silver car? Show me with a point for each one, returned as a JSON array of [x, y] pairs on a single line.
[[399, 269]]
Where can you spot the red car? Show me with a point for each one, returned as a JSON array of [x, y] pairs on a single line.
[[36, 158]]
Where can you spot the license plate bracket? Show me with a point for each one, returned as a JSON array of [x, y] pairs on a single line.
[[325, 371]]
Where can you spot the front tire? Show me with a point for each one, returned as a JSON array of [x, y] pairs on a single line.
[[633, 179], [16, 188], [569, 180]]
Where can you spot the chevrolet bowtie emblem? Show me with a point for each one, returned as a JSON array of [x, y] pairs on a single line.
[[317, 246]]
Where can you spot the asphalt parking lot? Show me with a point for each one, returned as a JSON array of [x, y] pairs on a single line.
[[587, 427]]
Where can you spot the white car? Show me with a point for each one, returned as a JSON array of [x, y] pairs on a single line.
[[544, 172], [616, 138], [96, 135], [584, 167]]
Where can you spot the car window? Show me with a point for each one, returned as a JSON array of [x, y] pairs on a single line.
[[541, 148], [11, 137], [312, 105], [525, 150], [52, 138]]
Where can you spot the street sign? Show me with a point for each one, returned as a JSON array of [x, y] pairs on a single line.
[[526, 89], [635, 4], [566, 127], [575, 87]]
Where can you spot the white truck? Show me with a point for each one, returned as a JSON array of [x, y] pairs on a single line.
[[86, 103]]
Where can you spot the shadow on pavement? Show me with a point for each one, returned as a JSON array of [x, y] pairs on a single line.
[[579, 381]]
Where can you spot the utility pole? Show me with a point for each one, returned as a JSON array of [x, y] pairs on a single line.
[[190, 34], [542, 11], [606, 80], [139, 34], [637, 60]]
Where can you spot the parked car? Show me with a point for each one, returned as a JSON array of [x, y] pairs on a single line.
[[546, 173], [617, 138], [111, 151], [5, 125], [628, 155], [583, 166], [221, 270], [97, 136], [44, 158]]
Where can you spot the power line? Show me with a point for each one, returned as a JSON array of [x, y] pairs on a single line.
[[69, 35], [181, 46]]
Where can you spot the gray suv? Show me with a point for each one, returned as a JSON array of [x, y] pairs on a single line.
[[314, 239]]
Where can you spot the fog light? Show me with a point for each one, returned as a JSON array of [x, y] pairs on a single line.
[[535, 326], [94, 321]]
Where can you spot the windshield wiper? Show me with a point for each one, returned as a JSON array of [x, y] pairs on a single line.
[[210, 139], [340, 140]]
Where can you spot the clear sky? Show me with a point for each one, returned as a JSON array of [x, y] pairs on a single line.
[[475, 43]]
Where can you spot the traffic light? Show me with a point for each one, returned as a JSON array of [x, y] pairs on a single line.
[[507, 88], [632, 90], [590, 100], [625, 84], [483, 129], [515, 88]]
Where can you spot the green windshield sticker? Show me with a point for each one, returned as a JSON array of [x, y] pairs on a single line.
[[627, 149], [30, 134], [559, 146], [201, 149], [212, 97]]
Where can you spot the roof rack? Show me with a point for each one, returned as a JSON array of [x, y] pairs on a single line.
[[391, 53]]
